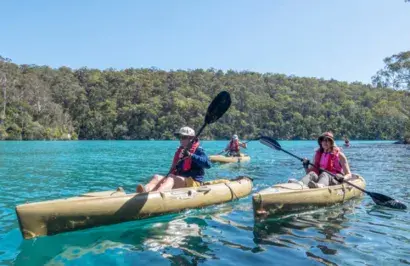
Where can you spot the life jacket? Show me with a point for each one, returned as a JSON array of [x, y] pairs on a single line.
[[187, 164], [234, 146], [328, 161]]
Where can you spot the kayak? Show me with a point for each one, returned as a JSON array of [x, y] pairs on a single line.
[[111, 207], [229, 159], [288, 197]]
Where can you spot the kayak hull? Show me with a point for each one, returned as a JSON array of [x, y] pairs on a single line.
[[111, 207], [229, 159], [290, 197]]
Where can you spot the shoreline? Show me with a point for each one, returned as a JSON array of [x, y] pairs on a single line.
[[202, 140]]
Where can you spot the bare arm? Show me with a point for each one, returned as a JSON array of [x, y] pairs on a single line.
[[310, 168], [345, 165]]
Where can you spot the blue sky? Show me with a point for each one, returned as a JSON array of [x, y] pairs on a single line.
[[345, 40]]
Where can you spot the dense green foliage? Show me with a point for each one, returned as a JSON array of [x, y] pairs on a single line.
[[396, 74], [38, 102]]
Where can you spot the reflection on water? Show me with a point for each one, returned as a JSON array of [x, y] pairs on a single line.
[[331, 235], [176, 241], [177, 238], [326, 222]]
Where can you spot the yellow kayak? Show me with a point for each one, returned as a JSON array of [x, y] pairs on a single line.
[[287, 197], [110, 207], [229, 159]]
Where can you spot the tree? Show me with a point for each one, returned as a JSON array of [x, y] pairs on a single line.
[[3, 85], [396, 73]]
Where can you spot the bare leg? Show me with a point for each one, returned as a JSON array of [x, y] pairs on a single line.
[[171, 182], [153, 183]]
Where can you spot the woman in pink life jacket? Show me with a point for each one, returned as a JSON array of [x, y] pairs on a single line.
[[329, 157], [234, 145], [189, 172]]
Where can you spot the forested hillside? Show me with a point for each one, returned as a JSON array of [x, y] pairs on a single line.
[[38, 102]]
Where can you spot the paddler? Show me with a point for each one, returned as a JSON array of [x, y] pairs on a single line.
[[329, 157], [347, 142], [234, 145], [188, 173]]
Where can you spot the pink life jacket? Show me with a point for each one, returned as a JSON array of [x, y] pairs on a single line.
[[328, 161]]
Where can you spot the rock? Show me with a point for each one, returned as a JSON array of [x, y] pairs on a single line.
[[405, 141]]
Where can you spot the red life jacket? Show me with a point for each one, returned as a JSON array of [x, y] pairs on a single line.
[[234, 145], [188, 161], [331, 163]]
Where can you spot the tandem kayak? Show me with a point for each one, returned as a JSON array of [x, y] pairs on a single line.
[[111, 207], [288, 197], [229, 159]]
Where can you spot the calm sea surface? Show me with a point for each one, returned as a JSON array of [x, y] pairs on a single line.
[[354, 233]]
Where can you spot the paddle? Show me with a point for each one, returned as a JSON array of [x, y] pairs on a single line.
[[378, 198], [216, 109], [243, 143]]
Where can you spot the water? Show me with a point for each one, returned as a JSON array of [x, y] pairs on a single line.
[[354, 233]]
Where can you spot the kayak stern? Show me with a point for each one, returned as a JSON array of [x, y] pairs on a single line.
[[292, 197]]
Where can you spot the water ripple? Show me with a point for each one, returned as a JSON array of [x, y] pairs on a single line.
[[354, 233]]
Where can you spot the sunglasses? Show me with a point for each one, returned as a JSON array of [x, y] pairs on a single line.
[[326, 139], [184, 137]]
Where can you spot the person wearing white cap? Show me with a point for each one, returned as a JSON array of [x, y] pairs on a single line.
[[234, 145], [189, 172]]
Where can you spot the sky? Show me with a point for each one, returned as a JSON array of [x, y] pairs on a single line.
[[343, 40]]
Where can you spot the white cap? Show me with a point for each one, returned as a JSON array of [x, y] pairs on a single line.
[[235, 136], [185, 131]]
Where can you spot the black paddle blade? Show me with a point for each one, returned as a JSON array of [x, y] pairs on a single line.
[[218, 107], [386, 201], [268, 141]]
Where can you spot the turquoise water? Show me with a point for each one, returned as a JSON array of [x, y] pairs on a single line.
[[353, 233]]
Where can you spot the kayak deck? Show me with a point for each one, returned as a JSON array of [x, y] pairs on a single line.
[[229, 159], [289, 197], [110, 207]]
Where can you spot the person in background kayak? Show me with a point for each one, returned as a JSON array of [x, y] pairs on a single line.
[[234, 145], [188, 173], [347, 142], [329, 157]]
